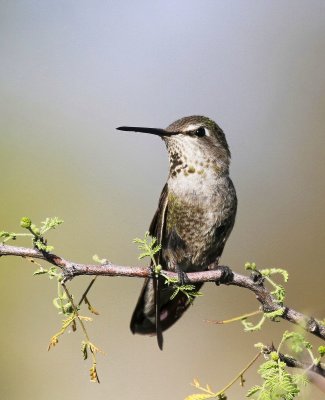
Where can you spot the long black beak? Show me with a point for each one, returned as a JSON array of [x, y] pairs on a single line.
[[152, 131]]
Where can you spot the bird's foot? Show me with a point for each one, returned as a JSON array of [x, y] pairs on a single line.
[[182, 277], [226, 276]]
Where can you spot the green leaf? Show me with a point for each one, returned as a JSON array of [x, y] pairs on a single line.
[[277, 382], [8, 235], [100, 260], [40, 245], [321, 350], [297, 341], [4, 234], [53, 272], [250, 327], [301, 380], [273, 271], [40, 271], [279, 293], [50, 223], [274, 314], [253, 390], [148, 247], [250, 266], [57, 303], [25, 222]]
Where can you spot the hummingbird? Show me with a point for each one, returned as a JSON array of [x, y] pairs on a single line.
[[194, 218]]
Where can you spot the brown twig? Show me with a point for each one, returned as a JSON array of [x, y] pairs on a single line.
[[263, 295]]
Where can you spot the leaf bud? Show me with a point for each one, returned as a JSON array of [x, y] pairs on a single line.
[[25, 222]]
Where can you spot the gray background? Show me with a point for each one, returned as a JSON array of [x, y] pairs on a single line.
[[71, 72]]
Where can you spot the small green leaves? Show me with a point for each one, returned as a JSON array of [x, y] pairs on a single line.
[[274, 314], [188, 290], [278, 383], [278, 294], [279, 291], [7, 236], [52, 272], [35, 233], [253, 390], [64, 302], [321, 351], [50, 223], [250, 266], [66, 306], [40, 271], [298, 343], [102, 261], [250, 327], [272, 371], [273, 271], [148, 246]]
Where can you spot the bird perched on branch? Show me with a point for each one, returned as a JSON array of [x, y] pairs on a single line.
[[195, 215]]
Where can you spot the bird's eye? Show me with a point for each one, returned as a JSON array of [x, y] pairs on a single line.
[[200, 132]]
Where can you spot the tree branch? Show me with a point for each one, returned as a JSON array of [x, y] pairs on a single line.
[[314, 372], [253, 283]]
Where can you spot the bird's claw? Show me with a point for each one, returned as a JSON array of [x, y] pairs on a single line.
[[226, 276], [182, 277]]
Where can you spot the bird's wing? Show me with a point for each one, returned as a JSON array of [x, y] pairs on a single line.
[[158, 222]]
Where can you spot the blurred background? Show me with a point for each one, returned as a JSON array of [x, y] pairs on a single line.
[[70, 73]]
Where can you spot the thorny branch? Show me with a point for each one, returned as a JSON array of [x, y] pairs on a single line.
[[253, 283]]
